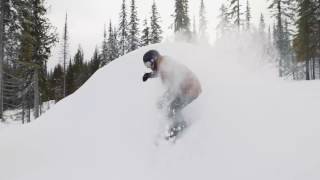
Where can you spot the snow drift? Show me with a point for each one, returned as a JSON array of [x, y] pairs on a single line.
[[246, 125]]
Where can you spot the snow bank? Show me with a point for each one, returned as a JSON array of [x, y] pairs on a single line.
[[246, 125]]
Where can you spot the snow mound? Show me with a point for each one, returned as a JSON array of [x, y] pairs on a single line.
[[246, 125]]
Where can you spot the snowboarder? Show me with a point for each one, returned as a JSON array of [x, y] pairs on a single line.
[[181, 84]]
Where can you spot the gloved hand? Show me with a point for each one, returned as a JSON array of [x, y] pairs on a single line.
[[146, 76]]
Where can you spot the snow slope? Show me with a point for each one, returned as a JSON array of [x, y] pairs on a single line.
[[246, 125]]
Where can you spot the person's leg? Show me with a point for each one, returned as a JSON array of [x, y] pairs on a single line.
[[175, 107], [177, 122]]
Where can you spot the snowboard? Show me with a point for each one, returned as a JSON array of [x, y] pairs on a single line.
[[175, 131]]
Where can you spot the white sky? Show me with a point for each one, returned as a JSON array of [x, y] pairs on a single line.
[[87, 18]]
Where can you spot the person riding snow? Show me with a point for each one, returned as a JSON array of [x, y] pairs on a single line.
[[182, 85]]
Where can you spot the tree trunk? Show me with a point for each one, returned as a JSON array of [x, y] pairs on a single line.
[[36, 94], [1, 57], [65, 46], [313, 69], [280, 67], [238, 14], [307, 70], [23, 109], [28, 108], [319, 67]]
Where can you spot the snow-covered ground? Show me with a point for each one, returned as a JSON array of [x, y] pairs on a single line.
[[13, 117], [246, 125]]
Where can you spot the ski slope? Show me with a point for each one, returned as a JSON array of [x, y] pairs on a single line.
[[246, 125]]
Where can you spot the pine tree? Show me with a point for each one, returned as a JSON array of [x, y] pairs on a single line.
[[203, 22], [104, 49], [123, 29], [70, 88], [95, 62], [78, 68], [287, 48], [65, 47], [28, 38], [145, 38], [1, 55], [134, 41], [248, 15], [81, 69], [179, 13], [12, 33], [44, 38], [57, 83], [116, 44], [194, 30], [224, 21], [182, 21], [274, 35], [262, 25], [155, 29], [112, 43], [186, 15], [317, 30], [269, 35], [235, 13], [304, 43], [281, 9]]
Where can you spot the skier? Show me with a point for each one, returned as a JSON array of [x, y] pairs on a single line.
[[182, 87]]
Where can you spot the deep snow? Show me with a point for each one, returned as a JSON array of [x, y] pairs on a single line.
[[246, 125]]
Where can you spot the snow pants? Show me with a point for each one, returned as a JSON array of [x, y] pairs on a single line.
[[176, 106]]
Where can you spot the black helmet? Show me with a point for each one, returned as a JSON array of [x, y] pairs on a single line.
[[150, 58]]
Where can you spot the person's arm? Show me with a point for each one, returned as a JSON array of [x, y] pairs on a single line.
[[146, 76]]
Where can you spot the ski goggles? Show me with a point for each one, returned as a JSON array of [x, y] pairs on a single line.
[[149, 64]]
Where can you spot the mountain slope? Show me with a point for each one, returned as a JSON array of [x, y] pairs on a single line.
[[246, 125]]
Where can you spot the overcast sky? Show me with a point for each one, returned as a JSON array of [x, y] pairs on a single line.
[[86, 19]]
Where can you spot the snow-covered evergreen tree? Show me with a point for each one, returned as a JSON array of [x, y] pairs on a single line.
[[2, 10], [281, 9], [145, 38], [235, 12], [95, 62], [65, 48], [79, 68], [134, 41], [112, 44], [269, 35], [44, 38], [304, 42], [181, 18], [155, 28], [70, 79], [123, 29], [248, 15], [12, 29], [104, 48], [224, 24], [186, 15], [262, 25], [194, 30], [202, 23]]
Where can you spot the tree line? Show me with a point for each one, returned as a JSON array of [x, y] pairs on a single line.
[[117, 41], [27, 37], [295, 33]]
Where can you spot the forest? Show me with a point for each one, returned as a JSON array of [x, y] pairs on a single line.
[[27, 37]]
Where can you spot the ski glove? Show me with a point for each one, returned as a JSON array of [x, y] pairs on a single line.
[[146, 76]]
